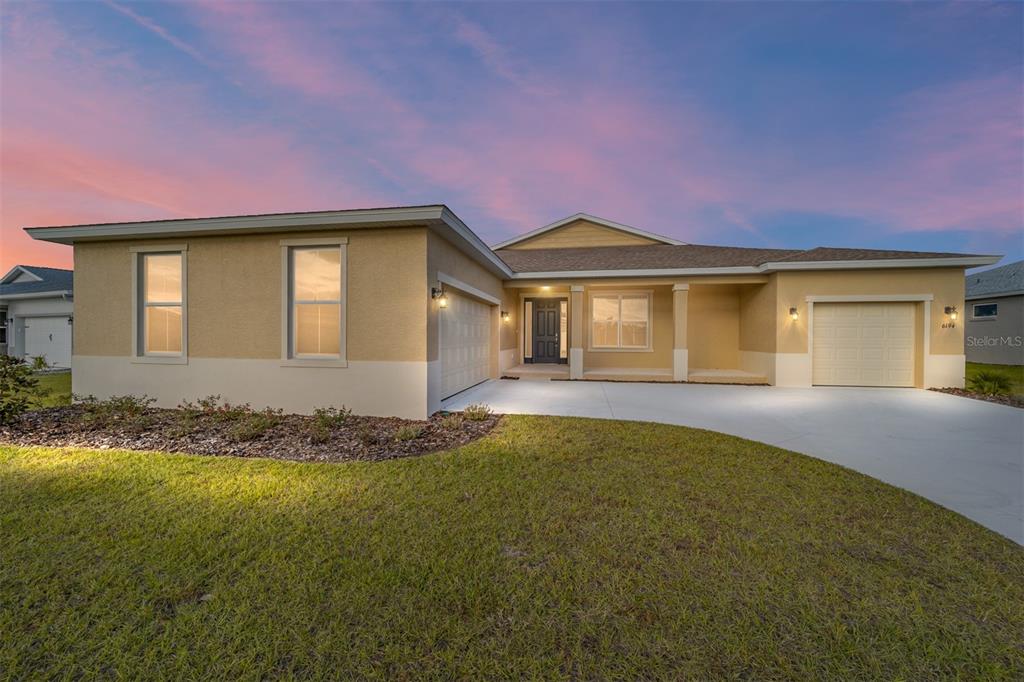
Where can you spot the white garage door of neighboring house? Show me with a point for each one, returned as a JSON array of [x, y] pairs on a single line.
[[465, 343], [49, 337], [863, 344]]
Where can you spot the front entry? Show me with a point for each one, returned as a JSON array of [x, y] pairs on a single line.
[[546, 325]]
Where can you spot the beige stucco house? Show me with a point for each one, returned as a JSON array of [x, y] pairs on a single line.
[[389, 311]]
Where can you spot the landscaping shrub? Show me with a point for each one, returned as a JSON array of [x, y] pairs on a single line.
[[452, 422], [254, 424], [39, 363], [990, 382], [366, 434], [408, 432], [477, 412], [331, 417], [19, 390], [126, 409]]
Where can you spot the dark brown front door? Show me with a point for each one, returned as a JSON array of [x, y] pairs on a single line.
[[546, 325]]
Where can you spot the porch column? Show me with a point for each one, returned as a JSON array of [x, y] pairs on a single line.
[[680, 361], [576, 332]]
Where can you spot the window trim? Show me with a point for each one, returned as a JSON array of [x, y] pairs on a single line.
[[975, 316], [598, 293], [288, 359], [139, 354]]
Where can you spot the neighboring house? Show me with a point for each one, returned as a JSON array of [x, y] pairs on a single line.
[[389, 311], [994, 315], [36, 309]]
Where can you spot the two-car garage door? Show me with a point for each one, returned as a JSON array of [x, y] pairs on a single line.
[[465, 343], [863, 344]]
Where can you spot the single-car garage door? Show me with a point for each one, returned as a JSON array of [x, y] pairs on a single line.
[[49, 337], [465, 343], [863, 344]]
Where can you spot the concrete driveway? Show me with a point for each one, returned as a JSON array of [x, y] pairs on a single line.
[[964, 454]]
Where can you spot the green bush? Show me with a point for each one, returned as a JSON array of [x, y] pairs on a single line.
[[254, 424], [331, 417], [990, 382], [452, 422], [125, 409], [477, 412], [39, 362], [19, 390], [408, 432]]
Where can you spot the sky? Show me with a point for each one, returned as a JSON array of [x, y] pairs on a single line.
[[879, 125]]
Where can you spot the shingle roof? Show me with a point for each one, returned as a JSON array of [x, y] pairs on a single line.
[[661, 256], [51, 279], [1002, 280]]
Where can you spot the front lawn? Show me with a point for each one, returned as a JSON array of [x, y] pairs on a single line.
[[56, 388], [553, 547], [1015, 374]]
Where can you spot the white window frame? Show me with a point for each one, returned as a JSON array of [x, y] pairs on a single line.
[[288, 357], [138, 346], [975, 316], [619, 348]]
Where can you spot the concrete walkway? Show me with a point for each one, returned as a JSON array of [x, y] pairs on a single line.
[[964, 454]]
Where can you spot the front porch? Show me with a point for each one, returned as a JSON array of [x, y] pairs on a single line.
[[643, 331]]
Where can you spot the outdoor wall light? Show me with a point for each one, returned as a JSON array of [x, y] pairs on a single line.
[[437, 293], [951, 311], [505, 317], [794, 314]]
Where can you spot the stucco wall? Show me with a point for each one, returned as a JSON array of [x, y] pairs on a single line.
[[582, 233], [713, 326], [234, 295], [757, 308], [996, 341], [945, 284]]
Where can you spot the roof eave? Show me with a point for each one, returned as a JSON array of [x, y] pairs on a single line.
[[36, 294], [994, 294], [964, 261]]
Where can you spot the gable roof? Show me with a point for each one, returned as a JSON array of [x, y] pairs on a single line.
[[591, 219], [1006, 280], [42, 282], [667, 258], [683, 259]]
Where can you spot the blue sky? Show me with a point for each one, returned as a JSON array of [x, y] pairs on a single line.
[[761, 124]]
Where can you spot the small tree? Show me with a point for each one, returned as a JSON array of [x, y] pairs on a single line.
[[18, 388]]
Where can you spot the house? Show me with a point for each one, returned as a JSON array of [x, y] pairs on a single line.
[[36, 314], [391, 310], [995, 315]]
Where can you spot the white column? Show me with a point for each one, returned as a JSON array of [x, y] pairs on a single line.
[[680, 359], [576, 332]]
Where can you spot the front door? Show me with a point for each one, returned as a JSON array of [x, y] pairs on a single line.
[[546, 324]]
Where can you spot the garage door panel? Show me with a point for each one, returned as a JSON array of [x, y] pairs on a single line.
[[465, 343], [49, 337], [863, 344]]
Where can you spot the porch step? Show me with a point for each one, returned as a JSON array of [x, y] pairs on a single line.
[[543, 372], [627, 374], [725, 376]]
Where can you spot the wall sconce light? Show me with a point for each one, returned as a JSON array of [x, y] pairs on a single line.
[[951, 311], [437, 293], [793, 314], [505, 316]]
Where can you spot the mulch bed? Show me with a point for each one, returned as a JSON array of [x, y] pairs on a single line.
[[358, 438], [1011, 400]]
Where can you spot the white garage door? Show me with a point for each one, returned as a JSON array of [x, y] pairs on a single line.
[[49, 337], [863, 344], [465, 343]]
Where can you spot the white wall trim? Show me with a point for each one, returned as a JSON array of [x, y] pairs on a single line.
[[40, 294], [870, 298], [576, 287], [680, 287], [447, 279], [20, 270], [314, 241]]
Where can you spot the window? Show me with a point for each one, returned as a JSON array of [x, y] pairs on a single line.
[[620, 321], [983, 310], [162, 314], [315, 315], [3, 329]]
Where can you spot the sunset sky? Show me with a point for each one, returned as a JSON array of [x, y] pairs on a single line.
[[787, 125]]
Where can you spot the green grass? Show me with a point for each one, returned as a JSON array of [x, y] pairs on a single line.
[[1014, 372], [553, 548], [58, 387]]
